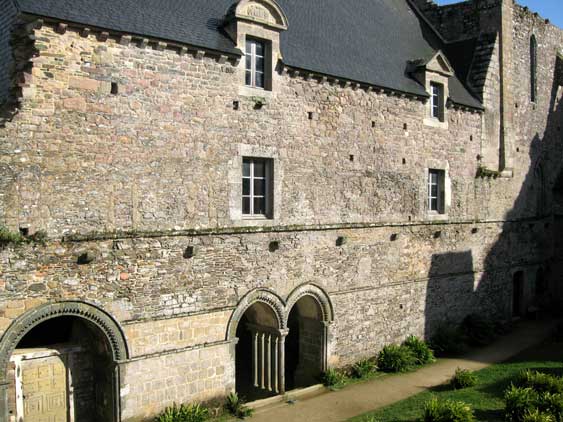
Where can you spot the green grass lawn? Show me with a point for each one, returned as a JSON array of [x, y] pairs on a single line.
[[486, 396]]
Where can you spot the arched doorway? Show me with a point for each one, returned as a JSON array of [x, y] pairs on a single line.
[[305, 344], [59, 363], [259, 353]]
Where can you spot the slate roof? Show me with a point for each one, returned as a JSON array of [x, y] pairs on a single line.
[[367, 41]]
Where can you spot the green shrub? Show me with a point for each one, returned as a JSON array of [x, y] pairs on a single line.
[[396, 359], [184, 413], [236, 406], [552, 404], [540, 382], [420, 349], [364, 368], [518, 402], [333, 378], [478, 330], [447, 340], [537, 416], [463, 378], [447, 411], [8, 237]]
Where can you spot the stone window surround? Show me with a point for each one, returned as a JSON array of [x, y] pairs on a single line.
[[436, 78], [235, 186], [433, 164]]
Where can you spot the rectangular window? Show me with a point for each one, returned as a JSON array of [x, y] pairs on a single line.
[[436, 201], [256, 190], [437, 101], [255, 65]]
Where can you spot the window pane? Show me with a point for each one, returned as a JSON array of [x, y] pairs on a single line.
[[434, 191], [248, 62], [259, 187], [246, 168], [259, 80], [246, 186], [249, 46], [434, 204], [433, 178], [259, 205], [259, 169], [248, 78], [259, 48], [260, 64], [246, 206]]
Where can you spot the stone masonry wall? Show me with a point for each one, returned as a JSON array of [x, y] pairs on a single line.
[[155, 162]]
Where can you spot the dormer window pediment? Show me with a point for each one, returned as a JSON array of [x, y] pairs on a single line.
[[263, 12]]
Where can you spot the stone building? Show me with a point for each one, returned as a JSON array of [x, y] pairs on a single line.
[[238, 195]]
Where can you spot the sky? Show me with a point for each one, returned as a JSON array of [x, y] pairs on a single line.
[[550, 9]]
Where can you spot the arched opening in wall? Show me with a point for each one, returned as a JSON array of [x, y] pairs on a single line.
[[258, 354], [517, 294], [305, 344], [62, 370]]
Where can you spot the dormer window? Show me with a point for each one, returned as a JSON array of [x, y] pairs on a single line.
[[255, 63], [437, 101]]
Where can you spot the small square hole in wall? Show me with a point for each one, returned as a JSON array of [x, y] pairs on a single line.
[[404, 161], [341, 241], [236, 105], [471, 137], [274, 246], [405, 127], [474, 230], [190, 252], [394, 237], [437, 235], [372, 123], [311, 115], [24, 231], [114, 88], [351, 158]]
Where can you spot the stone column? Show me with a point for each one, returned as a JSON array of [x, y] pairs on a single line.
[[281, 356]]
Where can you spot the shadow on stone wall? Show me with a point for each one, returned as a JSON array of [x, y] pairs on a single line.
[[529, 247]]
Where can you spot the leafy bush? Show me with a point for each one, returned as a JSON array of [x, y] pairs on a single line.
[[447, 411], [184, 413], [540, 382], [364, 368], [8, 237], [463, 378], [537, 416], [333, 378], [396, 359], [478, 330], [519, 401], [447, 340], [236, 406], [420, 349], [552, 404]]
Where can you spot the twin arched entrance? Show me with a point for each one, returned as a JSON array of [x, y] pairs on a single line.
[[58, 362], [280, 345]]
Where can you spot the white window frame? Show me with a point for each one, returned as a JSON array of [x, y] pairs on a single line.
[[267, 188], [440, 189], [437, 101], [251, 67]]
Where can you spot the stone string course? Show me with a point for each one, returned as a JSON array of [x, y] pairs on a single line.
[[161, 155]]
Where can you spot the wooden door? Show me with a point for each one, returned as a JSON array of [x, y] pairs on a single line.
[[44, 389]]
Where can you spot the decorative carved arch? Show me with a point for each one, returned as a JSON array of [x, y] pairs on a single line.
[[320, 296], [22, 325], [265, 296], [266, 12]]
